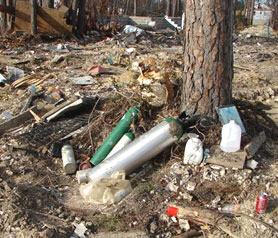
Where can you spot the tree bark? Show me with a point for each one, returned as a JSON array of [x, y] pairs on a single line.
[[3, 22], [75, 5], [50, 3], [134, 7], [127, 7], [178, 7], [34, 22], [11, 17], [252, 11], [174, 6], [208, 57], [81, 17], [275, 16], [168, 7], [249, 11], [7, 9]]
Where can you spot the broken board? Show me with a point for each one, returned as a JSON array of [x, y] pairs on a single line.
[[252, 148], [49, 20], [227, 160], [17, 120]]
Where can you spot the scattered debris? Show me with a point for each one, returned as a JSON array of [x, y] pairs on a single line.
[[81, 231], [130, 29], [86, 80], [15, 73], [137, 152], [251, 164], [68, 106], [98, 70]]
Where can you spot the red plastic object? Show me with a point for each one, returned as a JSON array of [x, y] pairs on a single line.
[[172, 211]]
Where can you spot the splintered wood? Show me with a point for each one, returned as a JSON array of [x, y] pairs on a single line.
[[34, 79], [29, 80]]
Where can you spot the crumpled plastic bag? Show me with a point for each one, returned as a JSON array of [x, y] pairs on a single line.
[[107, 190]]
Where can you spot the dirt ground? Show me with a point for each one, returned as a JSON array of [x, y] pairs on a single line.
[[38, 200]]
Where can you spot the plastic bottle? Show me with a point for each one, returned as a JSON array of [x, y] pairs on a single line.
[[68, 158], [232, 208], [231, 137], [193, 153]]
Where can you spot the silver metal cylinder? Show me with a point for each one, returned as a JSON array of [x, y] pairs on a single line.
[[137, 152], [68, 158]]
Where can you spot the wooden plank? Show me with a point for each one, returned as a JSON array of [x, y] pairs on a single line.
[[56, 109], [49, 20], [252, 148], [17, 120], [228, 160]]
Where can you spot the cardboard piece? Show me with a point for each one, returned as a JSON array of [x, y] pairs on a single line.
[[227, 160]]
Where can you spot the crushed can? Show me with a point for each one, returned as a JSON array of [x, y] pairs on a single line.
[[261, 204]]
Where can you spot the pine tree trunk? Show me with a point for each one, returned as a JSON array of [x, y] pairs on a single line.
[[34, 22], [275, 17], [81, 17], [75, 6], [208, 56], [168, 7], [127, 7], [174, 5], [247, 11], [179, 8], [3, 22], [134, 7], [11, 17], [252, 11]]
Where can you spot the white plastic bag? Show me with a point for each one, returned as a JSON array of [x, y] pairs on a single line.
[[193, 153], [129, 29], [15, 72]]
